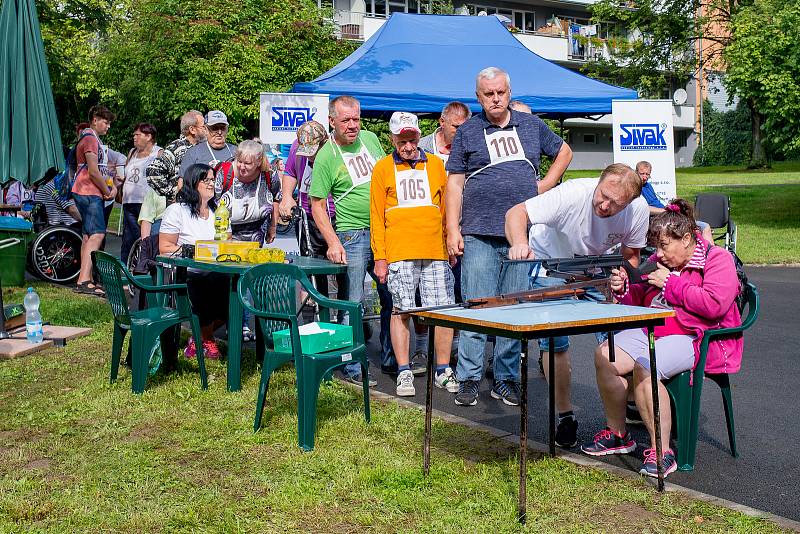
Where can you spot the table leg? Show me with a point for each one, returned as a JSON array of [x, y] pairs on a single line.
[[234, 337], [611, 354], [523, 435], [551, 391], [426, 447], [656, 411]]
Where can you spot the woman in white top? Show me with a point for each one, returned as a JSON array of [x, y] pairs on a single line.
[[189, 219], [135, 186]]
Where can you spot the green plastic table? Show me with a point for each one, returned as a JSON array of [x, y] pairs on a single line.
[[309, 266]]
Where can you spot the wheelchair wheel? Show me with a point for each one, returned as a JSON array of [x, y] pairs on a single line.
[[133, 255], [55, 255]]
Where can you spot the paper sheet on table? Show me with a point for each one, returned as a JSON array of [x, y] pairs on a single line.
[[313, 328]]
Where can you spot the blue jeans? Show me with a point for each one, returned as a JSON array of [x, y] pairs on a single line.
[[539, 282], [482, 276], [357, 247]]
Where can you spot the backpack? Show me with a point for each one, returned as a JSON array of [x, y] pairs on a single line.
[[227, 174], [64, 180], [741, 275]]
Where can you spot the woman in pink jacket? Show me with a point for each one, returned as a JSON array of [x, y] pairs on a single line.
[[696, 279]]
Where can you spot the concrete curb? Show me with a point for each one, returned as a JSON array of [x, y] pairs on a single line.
[[583, 460]]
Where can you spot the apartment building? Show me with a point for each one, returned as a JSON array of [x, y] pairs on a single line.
[[558, 30]]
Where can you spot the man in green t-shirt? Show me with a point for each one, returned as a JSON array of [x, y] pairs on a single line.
[[343, 169]]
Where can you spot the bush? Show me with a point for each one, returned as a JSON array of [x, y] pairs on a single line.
[[727, 137]]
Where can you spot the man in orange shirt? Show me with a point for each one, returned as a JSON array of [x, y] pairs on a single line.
[[408, 243]]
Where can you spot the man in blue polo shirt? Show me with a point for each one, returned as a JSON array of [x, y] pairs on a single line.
[[644, 169], [493, 165]]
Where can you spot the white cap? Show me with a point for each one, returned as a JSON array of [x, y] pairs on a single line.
[[216, 117], [403, 122]]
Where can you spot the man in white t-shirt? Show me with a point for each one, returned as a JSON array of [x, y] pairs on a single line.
[[585, 216]]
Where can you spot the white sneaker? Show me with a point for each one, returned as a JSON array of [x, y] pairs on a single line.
[[447, 380], [405, 384]]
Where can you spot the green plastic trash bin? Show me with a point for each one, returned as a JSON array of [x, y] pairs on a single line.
[[12, 258]]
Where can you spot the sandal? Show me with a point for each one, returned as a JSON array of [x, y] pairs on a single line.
[[84, 289]]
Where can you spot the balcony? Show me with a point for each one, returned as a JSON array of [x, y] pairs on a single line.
[[555, 45]]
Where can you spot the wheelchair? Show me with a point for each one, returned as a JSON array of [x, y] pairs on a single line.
[[54, 255], [715, 209]]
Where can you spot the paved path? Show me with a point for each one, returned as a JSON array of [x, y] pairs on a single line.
[[766, 475]]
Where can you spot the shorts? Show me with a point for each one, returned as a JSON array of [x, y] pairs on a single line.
[[539, 282], [433, 278], [674, 354], [91, 208]]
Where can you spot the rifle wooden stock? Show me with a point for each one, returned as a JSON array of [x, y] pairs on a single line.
[[574, 290]]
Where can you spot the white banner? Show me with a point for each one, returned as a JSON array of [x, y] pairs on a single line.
[[282, 113], [643, 132]]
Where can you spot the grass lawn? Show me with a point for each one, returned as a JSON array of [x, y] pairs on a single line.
[[80, 455], [764, 204]]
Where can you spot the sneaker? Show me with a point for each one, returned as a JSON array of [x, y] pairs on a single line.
[[418, 363], [247, 334], [210, 350], [632, 415], [467, 393], [506, 390], [190, 352], [405, 384], [447, 380], [567, 432], [649, 467], [607, 442], [355, 378]]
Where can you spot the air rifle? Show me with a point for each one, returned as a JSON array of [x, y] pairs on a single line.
[[583, 268]]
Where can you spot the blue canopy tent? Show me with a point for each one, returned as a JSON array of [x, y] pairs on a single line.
[[419, 63]]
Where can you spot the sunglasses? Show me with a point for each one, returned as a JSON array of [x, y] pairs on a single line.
[[229, 258]]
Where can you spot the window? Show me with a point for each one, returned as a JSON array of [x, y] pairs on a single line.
[[682, 138], [589, 139]]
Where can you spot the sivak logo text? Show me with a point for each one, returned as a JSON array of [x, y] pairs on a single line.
[[642, 136], [289, 119]]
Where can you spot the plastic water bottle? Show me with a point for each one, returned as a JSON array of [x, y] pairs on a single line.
[[221, 219], [33, 319]]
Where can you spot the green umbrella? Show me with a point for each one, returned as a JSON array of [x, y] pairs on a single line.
[[30, 141]]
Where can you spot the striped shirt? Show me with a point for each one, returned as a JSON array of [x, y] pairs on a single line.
[[55, 206]]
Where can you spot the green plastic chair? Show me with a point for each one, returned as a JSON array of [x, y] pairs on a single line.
[[687, 398], [145, 326], [268, 291]]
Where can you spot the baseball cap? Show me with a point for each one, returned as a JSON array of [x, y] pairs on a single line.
[[403, 122], [310, 136], [216, 117]]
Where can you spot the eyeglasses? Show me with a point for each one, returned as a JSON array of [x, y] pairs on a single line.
[[229, 258]]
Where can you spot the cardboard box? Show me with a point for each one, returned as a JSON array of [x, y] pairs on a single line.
[[209, 250], [315, 338]]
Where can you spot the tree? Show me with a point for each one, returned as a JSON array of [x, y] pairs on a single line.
[[763, 68], [673, 41], [174, 55], [71, 31]]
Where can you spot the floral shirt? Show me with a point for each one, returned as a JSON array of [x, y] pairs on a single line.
[[162, 173]]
